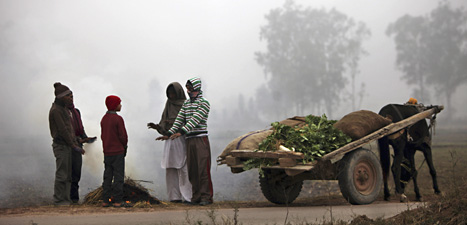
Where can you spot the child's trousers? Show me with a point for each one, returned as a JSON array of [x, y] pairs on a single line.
[[114, 170]]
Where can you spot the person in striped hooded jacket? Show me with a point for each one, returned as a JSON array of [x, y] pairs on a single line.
[[191, 121]]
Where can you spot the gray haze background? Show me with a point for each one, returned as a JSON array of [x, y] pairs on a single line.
[[134, 49]]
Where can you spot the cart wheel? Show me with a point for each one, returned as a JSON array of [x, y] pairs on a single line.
[[279, 188], [360, 177]]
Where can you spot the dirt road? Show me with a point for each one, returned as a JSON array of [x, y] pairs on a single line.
[[191, 215]]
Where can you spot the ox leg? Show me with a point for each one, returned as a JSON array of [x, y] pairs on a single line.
[[385, 161], [398, 147], [410, 155], [429, 160], [415, 186]]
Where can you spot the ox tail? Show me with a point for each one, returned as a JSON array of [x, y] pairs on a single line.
[[384, 156]]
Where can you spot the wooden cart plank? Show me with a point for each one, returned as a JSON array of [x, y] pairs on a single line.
[[232, 161], [261, 154], [298, 167], [389, 129]]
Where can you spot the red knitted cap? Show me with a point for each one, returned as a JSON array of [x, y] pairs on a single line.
[[112, 102]]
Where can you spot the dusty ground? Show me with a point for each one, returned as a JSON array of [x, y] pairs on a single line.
[[165, 206], [75, 209]]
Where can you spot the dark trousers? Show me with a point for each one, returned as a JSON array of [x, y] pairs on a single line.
[[114, 169], [62, 173], [199, 168], [76, 164]]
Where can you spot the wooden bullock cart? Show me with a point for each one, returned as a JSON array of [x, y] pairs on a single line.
[[357, 169]]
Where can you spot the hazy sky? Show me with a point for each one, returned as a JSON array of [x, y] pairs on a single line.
[[135, 48]]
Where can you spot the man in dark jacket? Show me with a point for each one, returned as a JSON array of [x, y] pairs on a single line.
[[64, 142], [76, 157]]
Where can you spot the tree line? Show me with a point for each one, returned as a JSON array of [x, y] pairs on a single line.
[[312, 59]]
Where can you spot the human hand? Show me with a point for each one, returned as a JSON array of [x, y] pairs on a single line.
[[152, 125], [78, 149], [176, 135], [91, 139], [88, 140], [162, 138]]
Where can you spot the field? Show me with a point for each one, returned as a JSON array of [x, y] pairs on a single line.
[[449, 149]]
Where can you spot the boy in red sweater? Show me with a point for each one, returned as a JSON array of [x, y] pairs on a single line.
[[114, 141]]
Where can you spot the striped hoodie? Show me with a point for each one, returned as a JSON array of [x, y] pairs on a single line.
[[192, 117]]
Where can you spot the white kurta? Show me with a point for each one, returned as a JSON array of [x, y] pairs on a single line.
[[174, 155], [174, 161]]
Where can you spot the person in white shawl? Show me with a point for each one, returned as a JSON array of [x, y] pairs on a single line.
[[174, 156]]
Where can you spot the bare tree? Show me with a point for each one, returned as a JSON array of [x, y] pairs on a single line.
[[410, 36], [309, 52], [432, 50]]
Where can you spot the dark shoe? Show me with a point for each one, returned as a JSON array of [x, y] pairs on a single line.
[[176, 201], [189, 203], [105, 204], [204, 203]]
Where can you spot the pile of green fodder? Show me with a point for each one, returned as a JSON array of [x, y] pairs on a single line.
[[133, 192], [314, 139]]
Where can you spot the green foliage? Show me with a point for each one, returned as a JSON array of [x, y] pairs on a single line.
[[314, 139], [257, 163]]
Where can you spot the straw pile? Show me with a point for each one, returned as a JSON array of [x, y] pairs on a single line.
[[133, 192]]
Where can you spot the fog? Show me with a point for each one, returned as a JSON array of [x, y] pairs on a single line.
[[134, 49]]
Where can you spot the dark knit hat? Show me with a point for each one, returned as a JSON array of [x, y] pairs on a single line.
[[61, 90], [112, 102]]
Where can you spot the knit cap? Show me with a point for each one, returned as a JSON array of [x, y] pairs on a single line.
[[112, 102], [61, 90]]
